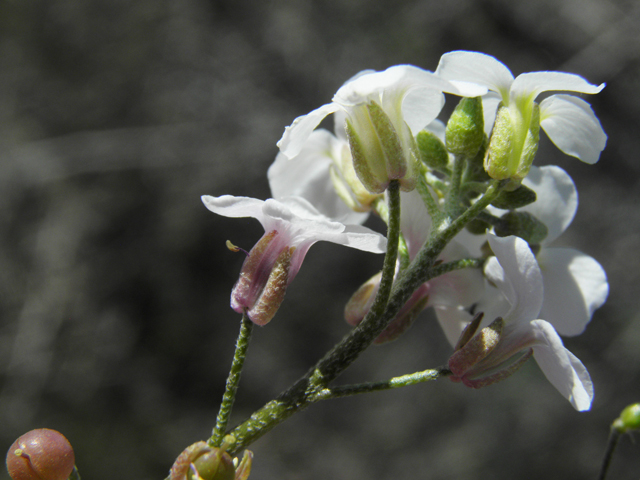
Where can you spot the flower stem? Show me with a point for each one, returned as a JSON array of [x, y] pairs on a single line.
[[233, 380], [395, 382], [614, 436], [310, 387]]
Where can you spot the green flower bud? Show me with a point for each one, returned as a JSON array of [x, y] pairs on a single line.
[[40, 454], [381, 153], [200, 461], [477, 227], [513, 144], [465, 129], [432, 151], [517, 198], [523, 225], [629, 419]]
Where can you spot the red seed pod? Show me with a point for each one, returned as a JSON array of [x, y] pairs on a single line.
[[40, 454]]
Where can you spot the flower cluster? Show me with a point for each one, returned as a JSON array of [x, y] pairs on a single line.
[[501, 292]]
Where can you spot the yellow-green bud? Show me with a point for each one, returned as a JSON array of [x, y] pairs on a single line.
[[465, 128], [432, 151], [517, 198], [513, 144], [629, 419], [379, 152], [523, 225]]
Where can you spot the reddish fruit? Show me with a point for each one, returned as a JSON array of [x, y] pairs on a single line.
[[40, 454]]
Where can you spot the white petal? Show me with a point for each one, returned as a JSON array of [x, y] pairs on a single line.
[[235, 207], [490, 104], [575, 285], [530, 85], [453, 320], [298, 132], [477, 68], [420, 107], [520, 281], [557, 199], [307, 175], [561, 367], [573, 127], [359, 237], [415, 223]]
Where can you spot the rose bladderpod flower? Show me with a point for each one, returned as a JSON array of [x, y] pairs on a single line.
[[322, 172], [291, 226], [384, 111], [459, 287], [568, 120], [517, 333]]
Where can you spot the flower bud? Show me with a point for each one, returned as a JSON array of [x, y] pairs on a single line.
[[465, 129], [629, 419], [513, 144], [432, 151], [523, 225], [203, 462], [40, 454], [381, 153], [518, 198]]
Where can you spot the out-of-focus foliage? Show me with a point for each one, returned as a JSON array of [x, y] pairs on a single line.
[[115, 116]]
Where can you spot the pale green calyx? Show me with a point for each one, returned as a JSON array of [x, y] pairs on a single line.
[[432, 151], [379, 155], [465, 129], [514, 142]]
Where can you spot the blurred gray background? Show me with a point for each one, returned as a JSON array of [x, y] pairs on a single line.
[[115, 324]]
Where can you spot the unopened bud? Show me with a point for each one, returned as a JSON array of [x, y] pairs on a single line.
[[40, 454], [523, 225], [201, 461], [518, 198], [629, 419], [465, 129], [432, 151]]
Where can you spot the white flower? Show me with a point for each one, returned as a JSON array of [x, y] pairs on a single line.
[[499, 349], [568, 121], [322, 173], [575, 284], [291, 226], [385, 110]]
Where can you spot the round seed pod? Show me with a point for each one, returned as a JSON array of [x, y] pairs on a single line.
[[41, 454]]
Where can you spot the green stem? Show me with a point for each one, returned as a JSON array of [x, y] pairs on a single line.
[[229, 396], [312, 384], [442, 268], [614, 436], [432, 206], [395, 382], [452, 201]]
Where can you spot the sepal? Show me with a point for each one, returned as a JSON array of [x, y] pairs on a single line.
[[465, 129]]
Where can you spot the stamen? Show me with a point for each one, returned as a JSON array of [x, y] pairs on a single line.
[[235, 248]]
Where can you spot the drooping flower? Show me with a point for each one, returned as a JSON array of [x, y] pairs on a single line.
[[499, 348], [575, 284], [384, 111], [291, 226], [459, 287], [568, 120]]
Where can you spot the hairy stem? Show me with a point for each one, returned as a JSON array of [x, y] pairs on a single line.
[[229, 396]]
